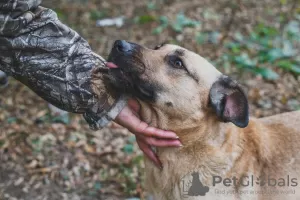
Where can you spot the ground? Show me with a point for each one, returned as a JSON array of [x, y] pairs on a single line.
[[47, 157]]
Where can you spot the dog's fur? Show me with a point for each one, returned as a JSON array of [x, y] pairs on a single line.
[[180, 91]]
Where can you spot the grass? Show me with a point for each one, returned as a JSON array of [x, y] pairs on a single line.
[[262, 51]]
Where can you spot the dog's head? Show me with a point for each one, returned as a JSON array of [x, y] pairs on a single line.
[[177, 81]]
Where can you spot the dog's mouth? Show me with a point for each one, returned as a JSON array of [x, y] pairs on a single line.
[[125, 70]]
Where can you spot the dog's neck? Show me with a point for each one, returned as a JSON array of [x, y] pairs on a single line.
[[209, 147], [207, 129], [210, 143]]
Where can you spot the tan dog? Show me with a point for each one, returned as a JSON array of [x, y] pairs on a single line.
[[180, 91]]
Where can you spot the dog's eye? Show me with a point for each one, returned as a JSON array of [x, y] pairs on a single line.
[[176, 62]]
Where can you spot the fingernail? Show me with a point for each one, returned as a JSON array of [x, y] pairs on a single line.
[[159, 165], [173, 134]]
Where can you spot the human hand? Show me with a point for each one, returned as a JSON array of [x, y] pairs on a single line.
[[146, 136]]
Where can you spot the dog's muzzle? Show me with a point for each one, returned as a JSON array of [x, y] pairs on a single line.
[[126, 77]]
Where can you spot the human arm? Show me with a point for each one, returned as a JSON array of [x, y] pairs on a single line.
[[54, 61], [59, 65]]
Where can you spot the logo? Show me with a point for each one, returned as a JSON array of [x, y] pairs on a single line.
[[251, 181], [194, 187], [191, 185]]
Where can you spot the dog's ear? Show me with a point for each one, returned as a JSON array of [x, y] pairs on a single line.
[[229, 102]]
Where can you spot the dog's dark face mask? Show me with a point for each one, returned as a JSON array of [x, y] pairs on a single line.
[[179, 82], [128, 76]]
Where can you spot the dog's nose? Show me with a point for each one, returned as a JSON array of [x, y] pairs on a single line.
[[123, 46], [3, 79]]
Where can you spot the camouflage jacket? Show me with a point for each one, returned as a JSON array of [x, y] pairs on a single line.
[[54, 61]]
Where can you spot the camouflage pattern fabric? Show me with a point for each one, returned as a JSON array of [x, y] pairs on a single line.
[[54, 61]]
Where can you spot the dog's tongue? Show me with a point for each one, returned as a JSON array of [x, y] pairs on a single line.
[[111, 65]]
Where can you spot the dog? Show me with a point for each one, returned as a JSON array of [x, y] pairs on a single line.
[[233, 155]]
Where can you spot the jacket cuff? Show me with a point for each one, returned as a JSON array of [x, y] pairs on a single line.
[[114, 111], [98, 122]]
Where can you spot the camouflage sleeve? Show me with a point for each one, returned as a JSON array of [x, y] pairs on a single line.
[[54, 61]]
